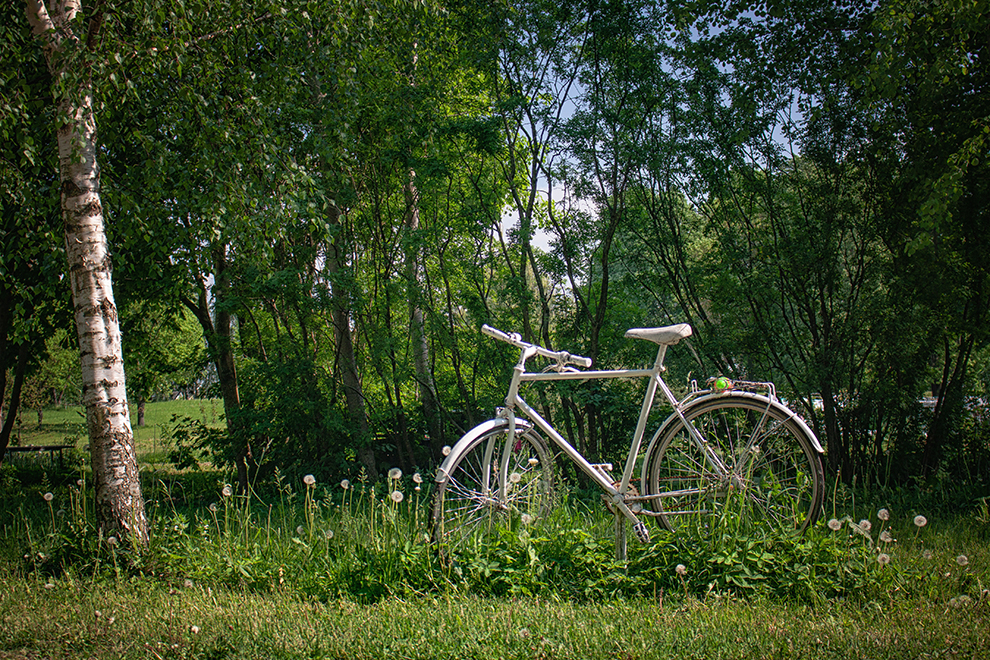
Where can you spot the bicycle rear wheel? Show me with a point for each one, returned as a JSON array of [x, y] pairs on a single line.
[[467, 507], [774, 475]]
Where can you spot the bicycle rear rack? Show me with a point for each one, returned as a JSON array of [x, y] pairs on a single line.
[[727, 386]]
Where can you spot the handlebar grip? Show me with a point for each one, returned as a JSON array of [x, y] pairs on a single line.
[[508, 337], [580, 361], [494, 332]]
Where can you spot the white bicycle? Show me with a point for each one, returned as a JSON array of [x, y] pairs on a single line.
[[731, 449]]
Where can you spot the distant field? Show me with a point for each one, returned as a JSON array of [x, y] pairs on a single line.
[[68, 425]]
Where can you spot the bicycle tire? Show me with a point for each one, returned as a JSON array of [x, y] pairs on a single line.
[[782, 481], [465, 512]]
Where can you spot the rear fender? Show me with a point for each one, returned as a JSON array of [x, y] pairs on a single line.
[[786, 412]]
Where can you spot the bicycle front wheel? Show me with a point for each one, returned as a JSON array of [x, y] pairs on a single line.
[[756, 463], [469, 505]]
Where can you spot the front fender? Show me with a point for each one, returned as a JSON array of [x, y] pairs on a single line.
[[469, 438]]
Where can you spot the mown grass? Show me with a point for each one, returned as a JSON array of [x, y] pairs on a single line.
[[67, 425], [314, 570], [145, 619]]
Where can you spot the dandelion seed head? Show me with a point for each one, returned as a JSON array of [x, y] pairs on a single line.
[[927, 554], [48, 497], [515, 477], [329, 534], [962, 560], [194, 630], [865, 525], [227, 491], [883, 559], [834, 524], [417, 478], [300, 530], [111, 541], [681, 570], [395, 474], [345, 484], [397, 496], [526, 519], [446, 450], [883, 514], [212, 507], [188, 584], [79, 482], [524, 632], [920, 521], [309, 480], [886, 537]]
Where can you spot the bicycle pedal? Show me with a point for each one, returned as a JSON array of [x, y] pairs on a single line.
[[642, 533]]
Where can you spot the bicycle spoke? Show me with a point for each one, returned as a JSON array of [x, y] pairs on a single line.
[[466, 510], [773, 475]]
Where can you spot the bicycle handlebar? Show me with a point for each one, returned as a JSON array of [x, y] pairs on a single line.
[[516, 339]]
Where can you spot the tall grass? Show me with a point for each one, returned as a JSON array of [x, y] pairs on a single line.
[[367, 542]]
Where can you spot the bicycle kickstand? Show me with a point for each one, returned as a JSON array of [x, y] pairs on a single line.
[[620, 536], [622, 513]]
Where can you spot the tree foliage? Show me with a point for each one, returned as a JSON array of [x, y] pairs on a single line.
[[341, 193]]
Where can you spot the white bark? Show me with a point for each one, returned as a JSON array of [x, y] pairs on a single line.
[[119, 502]]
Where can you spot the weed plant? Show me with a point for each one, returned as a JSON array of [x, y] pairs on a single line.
[[365, 542]]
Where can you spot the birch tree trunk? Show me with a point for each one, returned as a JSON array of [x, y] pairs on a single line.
[[417, 325], [119, 502]]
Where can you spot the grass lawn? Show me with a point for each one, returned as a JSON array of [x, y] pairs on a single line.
[[68, 425], [315, 571], [145, 619]]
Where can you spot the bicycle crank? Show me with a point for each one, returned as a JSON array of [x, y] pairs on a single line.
[[632, 493]]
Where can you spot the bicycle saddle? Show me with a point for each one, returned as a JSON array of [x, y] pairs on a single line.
[[669, 334]]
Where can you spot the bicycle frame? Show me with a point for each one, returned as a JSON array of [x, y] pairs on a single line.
[[615, 492]]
